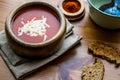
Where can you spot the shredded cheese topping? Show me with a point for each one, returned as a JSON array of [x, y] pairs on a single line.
[[34, 28]]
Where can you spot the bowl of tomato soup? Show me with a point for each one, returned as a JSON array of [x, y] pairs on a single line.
[[35, 29]]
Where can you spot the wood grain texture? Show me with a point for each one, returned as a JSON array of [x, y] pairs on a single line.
[[69, 65]]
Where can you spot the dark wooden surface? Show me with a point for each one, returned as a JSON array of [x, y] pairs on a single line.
[[69, 65]]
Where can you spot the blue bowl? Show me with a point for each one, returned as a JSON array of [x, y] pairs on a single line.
[[101, 18]]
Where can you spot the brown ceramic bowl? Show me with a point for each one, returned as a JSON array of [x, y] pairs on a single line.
[[35, 42]]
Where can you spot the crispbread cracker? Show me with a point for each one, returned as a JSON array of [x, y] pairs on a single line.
[[93, 71], [105, 50]]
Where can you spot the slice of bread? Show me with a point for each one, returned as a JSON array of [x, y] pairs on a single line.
[[105, 51], [93, 71]]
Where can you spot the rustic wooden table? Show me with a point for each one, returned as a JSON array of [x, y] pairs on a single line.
[[69, 65]]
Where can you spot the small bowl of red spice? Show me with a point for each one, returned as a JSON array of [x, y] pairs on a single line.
[[35, 29], [72, 9]]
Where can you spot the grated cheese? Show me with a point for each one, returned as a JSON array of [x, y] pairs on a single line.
[[34, 28]]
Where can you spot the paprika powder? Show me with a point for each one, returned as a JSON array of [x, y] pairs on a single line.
[[72, 9], [71, 6]]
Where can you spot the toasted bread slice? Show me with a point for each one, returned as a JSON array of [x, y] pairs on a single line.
[[105, 50], [93, 71]]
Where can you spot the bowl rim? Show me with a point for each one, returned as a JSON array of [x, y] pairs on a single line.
[[61, 31], [89, 1]]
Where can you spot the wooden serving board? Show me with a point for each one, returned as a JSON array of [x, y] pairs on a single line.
[[69, 65]]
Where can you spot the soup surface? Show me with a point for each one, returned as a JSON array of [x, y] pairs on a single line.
[[35, 24]]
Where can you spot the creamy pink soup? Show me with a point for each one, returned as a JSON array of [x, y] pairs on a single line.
[[35, 24]]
